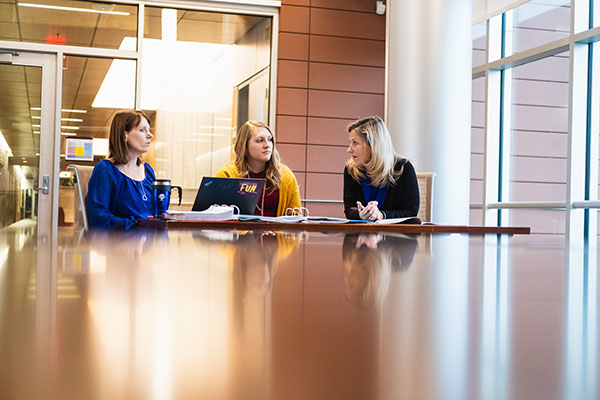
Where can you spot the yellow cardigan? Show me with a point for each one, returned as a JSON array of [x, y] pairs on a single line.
[[289, 193]]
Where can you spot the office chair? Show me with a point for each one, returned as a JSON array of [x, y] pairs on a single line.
[[425, 180], [82, 176]]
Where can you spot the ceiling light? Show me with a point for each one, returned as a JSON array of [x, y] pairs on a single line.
[[70, 127], [37, 132], [62, 119], [74, 111], [68, 133], [70, 110], [88, 10], [35, 126]]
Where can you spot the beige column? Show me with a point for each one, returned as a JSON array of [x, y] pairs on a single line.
[[428, 96]]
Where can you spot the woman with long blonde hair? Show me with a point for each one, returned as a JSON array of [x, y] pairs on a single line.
[[378, 183], [257, 157]]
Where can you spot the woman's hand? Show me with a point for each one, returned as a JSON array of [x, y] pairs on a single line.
[[370, 240], [370, 212]]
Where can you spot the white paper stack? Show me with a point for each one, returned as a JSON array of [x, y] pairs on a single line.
[[213, 213]]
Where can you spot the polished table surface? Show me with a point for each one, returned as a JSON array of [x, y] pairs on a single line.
[[223, 314], [338, 227]]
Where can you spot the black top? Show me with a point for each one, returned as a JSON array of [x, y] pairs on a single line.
[[401, 248], [401, 199]]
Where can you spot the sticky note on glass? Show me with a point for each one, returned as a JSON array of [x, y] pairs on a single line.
[[79, 149]]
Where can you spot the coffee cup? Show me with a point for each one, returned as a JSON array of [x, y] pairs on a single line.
[[162, 195]]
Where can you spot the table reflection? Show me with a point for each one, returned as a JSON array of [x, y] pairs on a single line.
[[272, 315], [369, 260]]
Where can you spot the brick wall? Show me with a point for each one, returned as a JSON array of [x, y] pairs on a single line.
[[331, 71]]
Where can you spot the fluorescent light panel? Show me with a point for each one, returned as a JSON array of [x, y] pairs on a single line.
[[88, 10], [74, 111], [62, 119], [62, 127], [70, 110]]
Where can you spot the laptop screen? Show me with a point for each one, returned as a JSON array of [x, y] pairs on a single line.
[[241, 192]]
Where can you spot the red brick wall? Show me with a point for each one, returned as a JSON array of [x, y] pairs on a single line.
[[331, 71]]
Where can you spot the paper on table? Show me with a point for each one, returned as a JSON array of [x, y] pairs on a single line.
[[405, 220], [213, 213], [329, 220]]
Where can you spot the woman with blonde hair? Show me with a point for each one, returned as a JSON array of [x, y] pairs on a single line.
[[369, 262], [257, 157], [378, 183]]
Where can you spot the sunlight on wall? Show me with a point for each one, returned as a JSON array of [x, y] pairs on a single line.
[[191, 86], [168, 68]]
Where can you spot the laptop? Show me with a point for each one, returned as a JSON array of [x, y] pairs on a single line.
[[241, 192]]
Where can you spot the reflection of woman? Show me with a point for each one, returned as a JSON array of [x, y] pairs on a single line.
[[257, 157], [255, 259], [369, 260], [378, 183], [253, 264], [120, 189]]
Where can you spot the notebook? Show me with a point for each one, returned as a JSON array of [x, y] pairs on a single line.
[[241, 192]]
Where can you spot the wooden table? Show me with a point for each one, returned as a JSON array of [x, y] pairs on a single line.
[[185, 314], [338, 227]]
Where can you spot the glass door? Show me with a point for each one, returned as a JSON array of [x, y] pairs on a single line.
[[28, 155]]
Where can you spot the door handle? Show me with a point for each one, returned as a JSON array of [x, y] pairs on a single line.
[[45, 188]]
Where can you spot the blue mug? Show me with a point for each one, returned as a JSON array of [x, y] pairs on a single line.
[[162, 195]]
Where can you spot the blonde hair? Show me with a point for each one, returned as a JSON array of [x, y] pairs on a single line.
[[272, 168], [380, 168], [376, 266]]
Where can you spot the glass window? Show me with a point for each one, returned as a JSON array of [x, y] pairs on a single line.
[[94, 89], [539, 98], [204, 75], [74, 23], [20, 90], [536, 23], [477, 147], [479, 43], [542, 222]]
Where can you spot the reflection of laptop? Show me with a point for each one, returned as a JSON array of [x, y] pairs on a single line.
[[242, 192]]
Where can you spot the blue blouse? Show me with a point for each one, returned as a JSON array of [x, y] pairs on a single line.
[[373, 192], [115, 201]]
